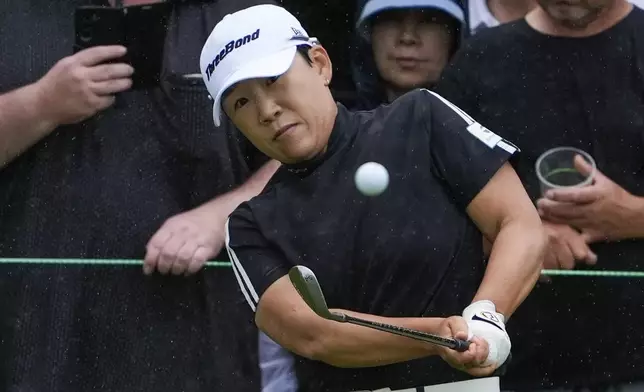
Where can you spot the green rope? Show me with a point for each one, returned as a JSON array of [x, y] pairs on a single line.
[[112, 262], [126, 262], [613, 274]]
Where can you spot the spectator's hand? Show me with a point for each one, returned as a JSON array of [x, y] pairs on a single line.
[[470, 361], [185, 242], [566, 246], [601, 211], [79, 86]]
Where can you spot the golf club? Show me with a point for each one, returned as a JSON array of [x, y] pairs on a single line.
[[309, 289]]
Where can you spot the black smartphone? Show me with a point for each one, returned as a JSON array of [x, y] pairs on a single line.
[[141, 29], [98, 26], [146, 27]]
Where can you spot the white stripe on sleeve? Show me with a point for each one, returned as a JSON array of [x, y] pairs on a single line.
[[469, 120], [242, 277]]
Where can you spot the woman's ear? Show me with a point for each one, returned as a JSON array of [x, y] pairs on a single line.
[[321, 62]]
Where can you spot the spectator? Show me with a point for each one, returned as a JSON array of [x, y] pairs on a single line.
[[82, 178], [407, 43], [490, 13], [571, 74]]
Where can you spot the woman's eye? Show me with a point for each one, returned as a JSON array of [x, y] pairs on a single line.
[[240, 103], [272, 80]]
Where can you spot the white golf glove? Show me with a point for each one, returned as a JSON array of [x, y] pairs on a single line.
[[484, 321]]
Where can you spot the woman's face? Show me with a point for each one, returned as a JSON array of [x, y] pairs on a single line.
[[288, 118], [411, 47]]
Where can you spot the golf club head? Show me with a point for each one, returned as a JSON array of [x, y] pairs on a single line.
[[309, 289]]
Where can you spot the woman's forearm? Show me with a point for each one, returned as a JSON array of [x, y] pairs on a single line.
[[514, 266], [348, 345], [286, 318]]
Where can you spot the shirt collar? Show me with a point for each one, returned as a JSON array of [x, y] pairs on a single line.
[[343, 130]]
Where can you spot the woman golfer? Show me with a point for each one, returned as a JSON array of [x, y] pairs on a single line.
[[413, 255]]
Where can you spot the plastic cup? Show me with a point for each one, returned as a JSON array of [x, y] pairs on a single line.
[[556, 169]]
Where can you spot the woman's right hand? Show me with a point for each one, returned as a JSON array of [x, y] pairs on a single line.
[[470, 361]]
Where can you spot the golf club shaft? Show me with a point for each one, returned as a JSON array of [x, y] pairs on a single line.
[[455, 344]]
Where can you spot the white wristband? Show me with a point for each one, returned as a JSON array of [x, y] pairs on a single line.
[[485, 322]]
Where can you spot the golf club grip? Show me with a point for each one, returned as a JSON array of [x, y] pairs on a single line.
[[461, 345], [458, 345]]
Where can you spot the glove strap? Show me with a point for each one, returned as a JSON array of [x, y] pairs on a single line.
[[485, 311]]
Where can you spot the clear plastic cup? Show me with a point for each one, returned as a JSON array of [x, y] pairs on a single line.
[[556, 169]]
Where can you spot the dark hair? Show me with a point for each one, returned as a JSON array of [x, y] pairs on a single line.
[[303, 50]]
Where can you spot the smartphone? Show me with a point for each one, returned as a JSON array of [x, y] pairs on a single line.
[[146, 27], [98, 26], [141, 29]]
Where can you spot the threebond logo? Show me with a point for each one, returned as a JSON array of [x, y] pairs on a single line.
[[232, 45]]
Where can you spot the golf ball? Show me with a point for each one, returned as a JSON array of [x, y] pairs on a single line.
[[371, 179]]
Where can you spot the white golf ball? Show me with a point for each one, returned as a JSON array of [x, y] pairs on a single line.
[[372, 179]]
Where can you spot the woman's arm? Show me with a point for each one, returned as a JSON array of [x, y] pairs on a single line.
[[286, 318], [506, 216], [280, 312]]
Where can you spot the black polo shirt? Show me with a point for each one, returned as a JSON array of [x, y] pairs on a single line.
[[412, 251], [541, 92]]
